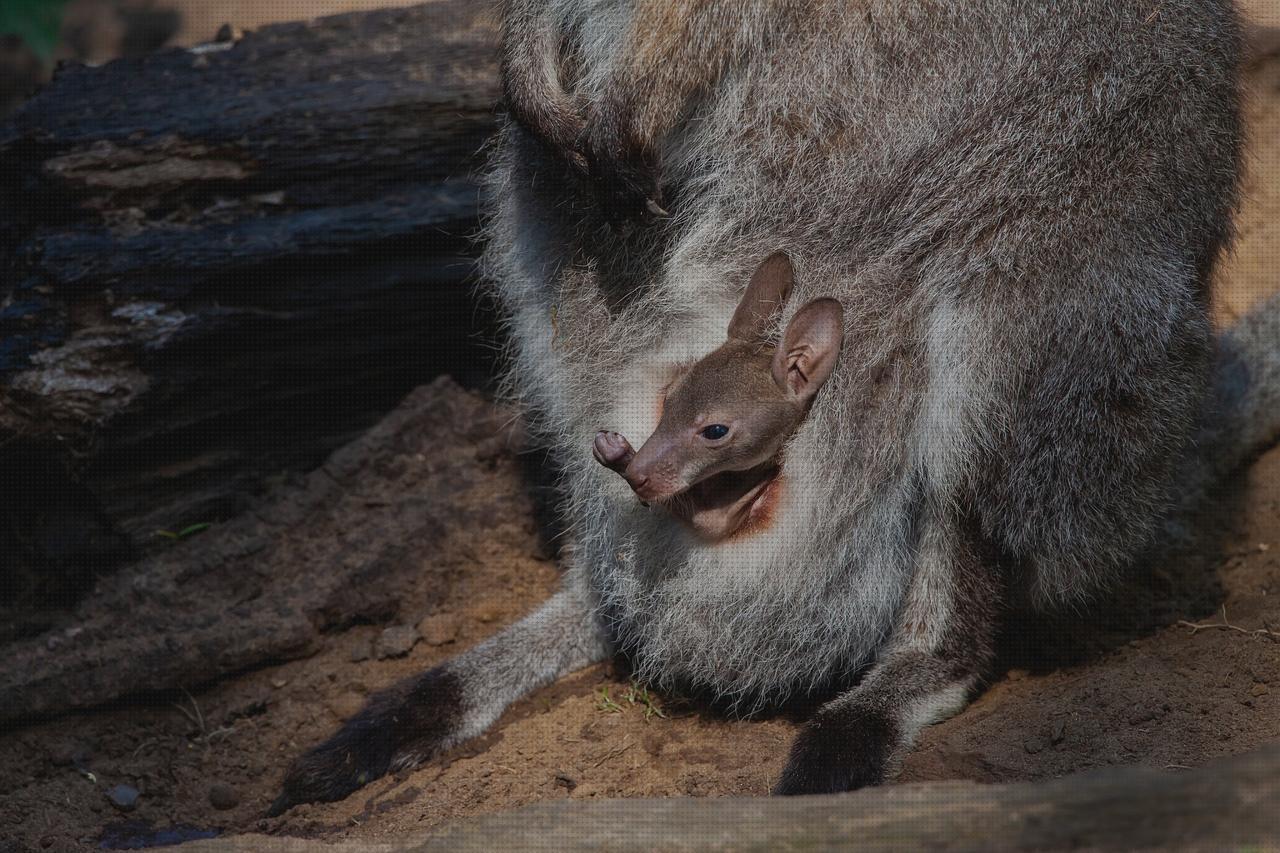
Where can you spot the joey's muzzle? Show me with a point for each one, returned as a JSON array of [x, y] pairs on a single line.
[[651, 472]]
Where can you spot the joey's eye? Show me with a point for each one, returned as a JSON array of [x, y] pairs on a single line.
[[715, 432]]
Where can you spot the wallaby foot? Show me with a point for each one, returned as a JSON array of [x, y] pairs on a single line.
[[860, 738], [399, 727], [839, 751], [422, 717], [943, 645]]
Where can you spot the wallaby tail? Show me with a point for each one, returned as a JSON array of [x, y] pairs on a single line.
[[1244, 415]]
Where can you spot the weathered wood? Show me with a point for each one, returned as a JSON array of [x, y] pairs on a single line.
[[221, 263], [1231, 804]]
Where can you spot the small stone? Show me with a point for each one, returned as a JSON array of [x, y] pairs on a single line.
[[346, 705], [564, 780], [251, 706], [396, 642], [123, 797], [1144, 714], [1259, 690], [1034, 745], [1059, 731], [70, 753], [487, 613], [47, 841], [277, 683], [223, 797], [440, 629], [360, 651]]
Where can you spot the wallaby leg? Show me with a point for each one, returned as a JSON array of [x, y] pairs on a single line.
[[942, 647], [422, 716], [531, 84]]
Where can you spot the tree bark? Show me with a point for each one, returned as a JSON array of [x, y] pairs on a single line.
[[222, 263]]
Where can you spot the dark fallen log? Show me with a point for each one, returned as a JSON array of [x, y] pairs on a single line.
[[220, 264], [1230, 804], [1227, 805], [369, 535]]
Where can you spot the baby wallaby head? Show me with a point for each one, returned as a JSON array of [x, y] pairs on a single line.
[[726, 418]]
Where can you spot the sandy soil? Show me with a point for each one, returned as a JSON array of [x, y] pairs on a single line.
[[1133, 682]]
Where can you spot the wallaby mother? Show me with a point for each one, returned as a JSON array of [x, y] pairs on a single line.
[[1018, 205]]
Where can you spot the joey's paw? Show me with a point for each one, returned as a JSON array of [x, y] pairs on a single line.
[[626, 194], [612, 450], [839, 752], [397, 728]]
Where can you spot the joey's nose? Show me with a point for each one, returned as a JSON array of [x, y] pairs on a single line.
[[643, 486]]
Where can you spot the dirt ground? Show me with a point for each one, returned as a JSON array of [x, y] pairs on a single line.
[[1131, 682]]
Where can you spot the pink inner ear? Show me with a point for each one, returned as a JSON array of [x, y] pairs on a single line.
[[810, 347], [792, 369]]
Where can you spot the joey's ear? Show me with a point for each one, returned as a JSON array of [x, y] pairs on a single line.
[[809, 349], [763, 299]]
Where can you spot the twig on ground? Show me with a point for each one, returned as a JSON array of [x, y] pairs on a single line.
[[197, 719], [222, 732], [1225, 625], [614, 753], [146, 743]]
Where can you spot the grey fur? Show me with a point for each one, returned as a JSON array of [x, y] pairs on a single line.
[[1019, 206]]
